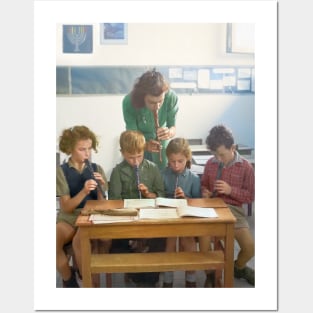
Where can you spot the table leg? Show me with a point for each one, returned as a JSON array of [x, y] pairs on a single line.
[[229, 256], [86, 257]]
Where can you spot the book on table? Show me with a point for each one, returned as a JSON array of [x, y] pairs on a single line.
[[156, 213], [179, 212], [158, 208], [105, 219], [153, 203]]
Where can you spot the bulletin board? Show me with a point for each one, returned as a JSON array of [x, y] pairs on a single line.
[[101, 80]]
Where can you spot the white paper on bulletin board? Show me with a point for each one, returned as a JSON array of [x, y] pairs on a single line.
[[175, 72], [244, 73], [229, 81], [204, 79], [190, 75], [223, 70], [243, 84], [216, 84]]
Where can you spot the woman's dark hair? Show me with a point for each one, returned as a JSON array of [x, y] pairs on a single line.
[[218, 136], [149, 83]]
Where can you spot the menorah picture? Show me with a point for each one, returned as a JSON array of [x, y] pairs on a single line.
[[77, 38]]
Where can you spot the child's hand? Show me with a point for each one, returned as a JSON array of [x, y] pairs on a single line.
[[222, 187], [90, 185], [179, 193], [144, 190], [206, 193], [99, 178]]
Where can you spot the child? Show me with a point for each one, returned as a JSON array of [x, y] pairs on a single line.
[[133, 178], [229, 176], [180, 182], [75, 184]]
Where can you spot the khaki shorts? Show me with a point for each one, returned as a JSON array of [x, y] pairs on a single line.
[[240, 215], [69, 218]]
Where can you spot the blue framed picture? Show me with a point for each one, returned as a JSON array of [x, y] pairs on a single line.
[[77, 38], [113, 33]]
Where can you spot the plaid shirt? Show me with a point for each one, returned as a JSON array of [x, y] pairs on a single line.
[[239, 174]]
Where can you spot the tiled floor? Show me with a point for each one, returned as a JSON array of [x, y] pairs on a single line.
[[179, 276]]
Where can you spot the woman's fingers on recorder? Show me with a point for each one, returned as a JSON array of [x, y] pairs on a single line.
[[153, 146], [163, 133]]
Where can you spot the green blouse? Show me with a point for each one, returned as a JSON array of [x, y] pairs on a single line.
[[143, 120]]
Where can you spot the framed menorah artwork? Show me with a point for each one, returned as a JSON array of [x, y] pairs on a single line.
[[113, 33], [77, 38]]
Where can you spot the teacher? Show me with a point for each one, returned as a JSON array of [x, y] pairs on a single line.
[[151, 108]]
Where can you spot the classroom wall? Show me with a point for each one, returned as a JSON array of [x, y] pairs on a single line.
[[153, 45]]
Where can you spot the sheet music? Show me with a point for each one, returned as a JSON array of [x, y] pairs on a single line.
[[158, 213], [139, 203], [164, 202]]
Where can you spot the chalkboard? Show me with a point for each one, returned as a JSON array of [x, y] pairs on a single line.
[[101, 80]]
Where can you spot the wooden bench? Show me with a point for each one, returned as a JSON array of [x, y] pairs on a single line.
[[156, 262]]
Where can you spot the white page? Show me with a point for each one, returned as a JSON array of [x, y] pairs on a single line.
[[164, 213], [139, 203], [101, 218], [169, 202], [197, 212]]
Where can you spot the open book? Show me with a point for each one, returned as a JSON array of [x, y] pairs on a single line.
[[157, 202], [166, 213]]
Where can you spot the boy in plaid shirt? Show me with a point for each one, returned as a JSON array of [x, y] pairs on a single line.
[[235, 185]]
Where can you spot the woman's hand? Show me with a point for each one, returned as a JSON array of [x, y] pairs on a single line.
[[164, 133], [153, 146]]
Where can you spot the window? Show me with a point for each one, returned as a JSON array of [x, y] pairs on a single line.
[[240, 38]]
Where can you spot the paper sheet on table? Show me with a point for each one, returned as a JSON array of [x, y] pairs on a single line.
[[103, 219]]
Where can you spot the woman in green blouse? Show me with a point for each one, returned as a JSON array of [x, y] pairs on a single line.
[[151, 108]]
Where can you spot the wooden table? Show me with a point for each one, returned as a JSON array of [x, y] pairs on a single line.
[[223, 226]]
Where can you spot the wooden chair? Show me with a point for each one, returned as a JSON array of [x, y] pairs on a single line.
[[249, 208], [197, 141], [68, 249], [96, 246], [219, 245]]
